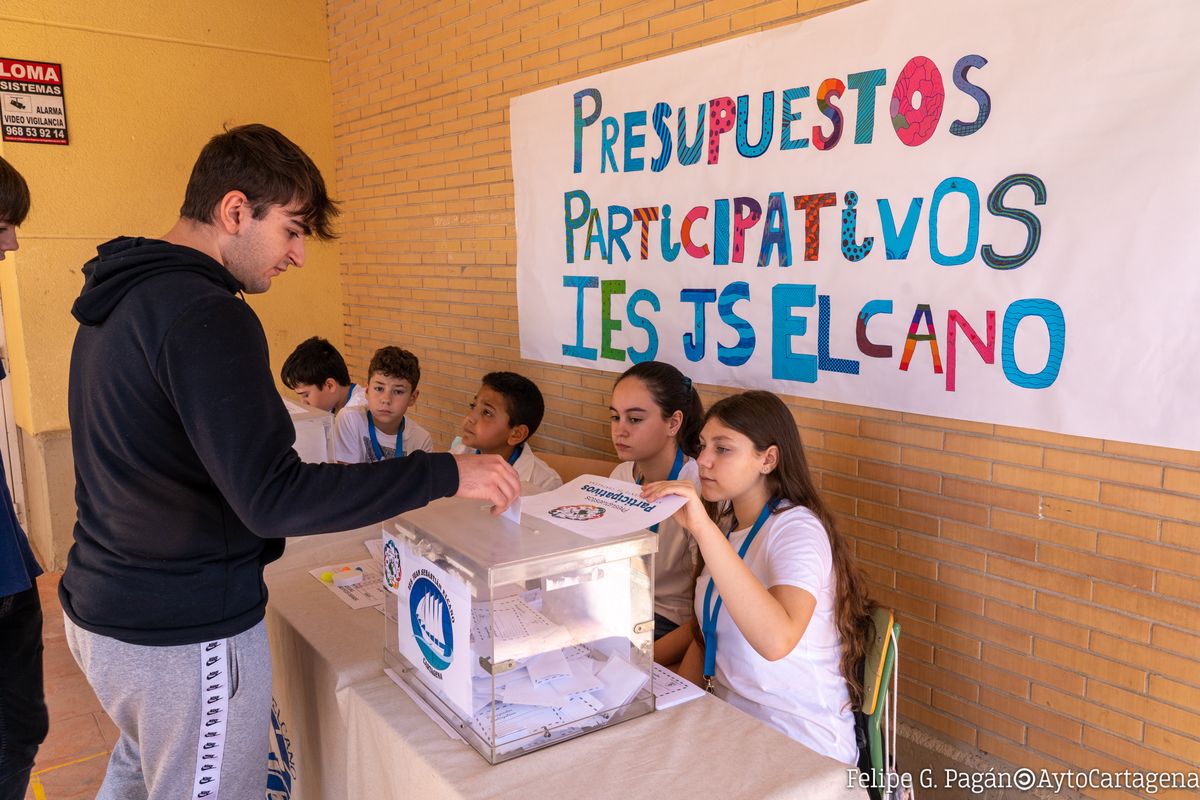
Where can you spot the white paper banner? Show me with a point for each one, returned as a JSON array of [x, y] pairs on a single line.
[[969, 210], [600, 508]]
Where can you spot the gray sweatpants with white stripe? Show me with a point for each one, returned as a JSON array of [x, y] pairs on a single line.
[[169, 702]]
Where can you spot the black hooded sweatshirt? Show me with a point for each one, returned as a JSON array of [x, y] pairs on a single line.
[[186, 480]]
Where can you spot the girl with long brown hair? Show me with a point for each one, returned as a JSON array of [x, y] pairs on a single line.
[[779, 591]]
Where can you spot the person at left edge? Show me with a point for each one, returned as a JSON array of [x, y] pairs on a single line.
[[23, 718], [186, 480]]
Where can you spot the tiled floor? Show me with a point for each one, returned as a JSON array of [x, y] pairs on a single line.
[[71, 762]]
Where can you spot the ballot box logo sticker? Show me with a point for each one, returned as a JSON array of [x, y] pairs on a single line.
[[391, 564], [432, 620], [577, 513]]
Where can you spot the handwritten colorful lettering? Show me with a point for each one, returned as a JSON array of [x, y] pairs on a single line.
[[912, 208]]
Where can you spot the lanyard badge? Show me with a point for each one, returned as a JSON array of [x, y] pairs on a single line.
[[516, 453], [375, 448], [713, 610], [675, 468]]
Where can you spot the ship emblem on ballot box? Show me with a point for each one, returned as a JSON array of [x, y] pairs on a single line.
[[432, 624]]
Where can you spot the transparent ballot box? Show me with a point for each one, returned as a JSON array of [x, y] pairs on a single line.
[[518, 636]]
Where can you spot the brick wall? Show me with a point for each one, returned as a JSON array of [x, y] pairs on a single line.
[[1048, 586]]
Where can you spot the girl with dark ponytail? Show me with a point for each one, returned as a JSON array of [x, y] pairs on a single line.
[[779, 589], [656, 415]]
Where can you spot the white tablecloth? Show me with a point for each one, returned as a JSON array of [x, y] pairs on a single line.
[[319, 648], [701, 749], [355, 734]]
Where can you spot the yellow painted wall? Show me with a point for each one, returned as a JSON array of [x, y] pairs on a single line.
[[146, 85]]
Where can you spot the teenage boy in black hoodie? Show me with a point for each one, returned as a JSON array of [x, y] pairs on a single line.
[[186, 481]]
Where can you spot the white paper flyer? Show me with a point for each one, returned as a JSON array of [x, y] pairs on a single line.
[[600, 508]]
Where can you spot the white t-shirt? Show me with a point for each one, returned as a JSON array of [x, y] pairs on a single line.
[[675, 561], [803, 694], [358, 396], [352, 440], [530, 468]]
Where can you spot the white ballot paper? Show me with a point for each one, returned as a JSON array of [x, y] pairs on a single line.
[[548, 666], [513, 512], [671, 690], [599, 508], [520, 630], [374, 546]]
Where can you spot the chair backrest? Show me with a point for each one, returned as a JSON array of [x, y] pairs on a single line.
[[877, 676], [874, 664], [571, 467]]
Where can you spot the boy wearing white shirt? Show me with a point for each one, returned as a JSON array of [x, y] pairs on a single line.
[[506, 411], [317, 373], [379, 430]]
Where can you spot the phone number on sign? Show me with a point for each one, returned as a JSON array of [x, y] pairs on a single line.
[[34, 133]]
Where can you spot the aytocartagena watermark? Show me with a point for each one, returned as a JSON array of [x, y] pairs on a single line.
[[979, 781]]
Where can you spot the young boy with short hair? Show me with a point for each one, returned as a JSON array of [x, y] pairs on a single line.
[[379, 430], [317, 373], [506, 412]]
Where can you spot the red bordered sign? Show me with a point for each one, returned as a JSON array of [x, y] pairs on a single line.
[[32, 102]]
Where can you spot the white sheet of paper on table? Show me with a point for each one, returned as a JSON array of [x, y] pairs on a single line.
[[671, 690], [375, 548]]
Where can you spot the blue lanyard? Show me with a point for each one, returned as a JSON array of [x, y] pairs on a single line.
[[711, 611], [375, 440], [348, 396], [516, 453], [675, 468]]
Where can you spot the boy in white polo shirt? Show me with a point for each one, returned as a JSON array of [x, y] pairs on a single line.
[[506, 411], [380, 430]]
